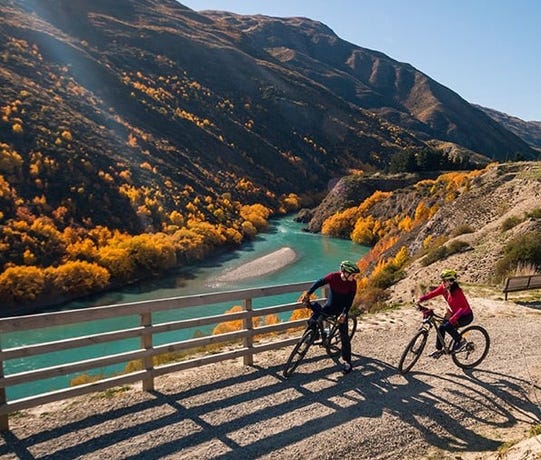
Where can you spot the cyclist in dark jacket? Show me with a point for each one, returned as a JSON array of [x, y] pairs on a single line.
[[342, 290]]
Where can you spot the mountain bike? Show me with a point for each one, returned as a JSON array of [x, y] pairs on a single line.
[[475, 349], [324, 333]]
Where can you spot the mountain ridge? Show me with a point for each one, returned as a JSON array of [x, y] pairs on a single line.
[[398, 92]]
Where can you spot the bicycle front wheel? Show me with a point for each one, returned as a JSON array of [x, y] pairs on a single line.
[[299, 351], [413, 351], [476, 348]]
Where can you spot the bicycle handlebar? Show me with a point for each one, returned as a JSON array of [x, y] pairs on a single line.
[[428, 313]]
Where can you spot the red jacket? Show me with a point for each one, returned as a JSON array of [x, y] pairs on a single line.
[[458, 304]]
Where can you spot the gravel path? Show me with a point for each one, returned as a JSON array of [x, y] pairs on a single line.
[[228, 410]]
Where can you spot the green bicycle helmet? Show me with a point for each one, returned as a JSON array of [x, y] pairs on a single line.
[[448, 275], [347, 266]]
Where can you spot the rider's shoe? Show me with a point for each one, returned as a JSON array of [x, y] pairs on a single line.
[[347, 368], [459, 345], [436, 354]]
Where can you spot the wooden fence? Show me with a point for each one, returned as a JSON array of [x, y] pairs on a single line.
[[145, 331]]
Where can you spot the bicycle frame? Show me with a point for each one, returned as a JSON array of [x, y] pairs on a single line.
[[330, 340], [434, 320]]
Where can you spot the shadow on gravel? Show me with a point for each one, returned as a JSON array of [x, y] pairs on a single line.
[[372, 390], [481, 398], [535, 304]]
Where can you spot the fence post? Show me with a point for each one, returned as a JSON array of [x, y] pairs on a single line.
[[4, 418], [249, 339], [146, 343]]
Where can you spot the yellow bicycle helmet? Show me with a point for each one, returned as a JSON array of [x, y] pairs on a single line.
[[448, 275]]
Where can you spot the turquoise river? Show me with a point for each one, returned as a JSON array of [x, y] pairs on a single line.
[[315, 255]]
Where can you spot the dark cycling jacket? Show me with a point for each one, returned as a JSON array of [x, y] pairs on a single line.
[[458, 304], [341, 293]]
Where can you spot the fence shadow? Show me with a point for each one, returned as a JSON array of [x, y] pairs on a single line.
[[182, 421]]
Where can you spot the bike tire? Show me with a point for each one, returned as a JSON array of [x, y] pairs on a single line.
[[412, 352], [476, 348], [298, 352], [333, 344]]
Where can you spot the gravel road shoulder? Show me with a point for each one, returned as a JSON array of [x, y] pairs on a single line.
[[228, 410]]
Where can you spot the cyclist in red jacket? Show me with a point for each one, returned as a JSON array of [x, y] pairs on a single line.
[[343, 287], [459, 311]]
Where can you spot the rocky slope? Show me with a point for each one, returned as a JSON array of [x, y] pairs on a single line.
[[502, 193], [472, 217]]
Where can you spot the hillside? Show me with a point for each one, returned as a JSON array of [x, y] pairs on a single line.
[[136, 136], [369, 79], [530, 131], [485, 224], [150, 92]]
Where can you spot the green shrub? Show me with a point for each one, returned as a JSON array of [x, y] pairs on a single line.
[[462, 229], [386, 277], [457, 246], [510, 222], [434, 255], [522, 251], [535, 430], [441, 252], [534, 213]]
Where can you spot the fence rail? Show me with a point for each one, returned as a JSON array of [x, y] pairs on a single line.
[[146, 332]]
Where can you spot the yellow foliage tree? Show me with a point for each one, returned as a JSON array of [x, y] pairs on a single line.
[[340, 224], [10, 160], [300, 313], [290, 202], [256, 214], [78, 277], [229, 326], [249, 229], [372, 200], [118, 262], [21, 284], [401, 257], [363, 232], [83, 250]]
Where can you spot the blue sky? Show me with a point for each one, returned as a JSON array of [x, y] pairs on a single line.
[[487, 51]]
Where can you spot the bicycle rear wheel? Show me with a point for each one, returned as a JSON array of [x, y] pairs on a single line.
[[476, 348], [413, 351], [299, 351], [334, 342]]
